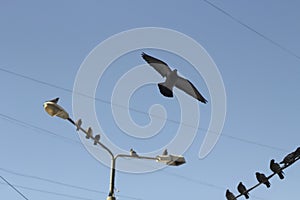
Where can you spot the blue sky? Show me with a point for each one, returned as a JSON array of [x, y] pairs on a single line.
[[43, 45]]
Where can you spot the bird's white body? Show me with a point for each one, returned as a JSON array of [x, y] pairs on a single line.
[[171, 79]]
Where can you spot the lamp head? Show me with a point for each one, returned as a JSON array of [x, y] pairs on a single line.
[[54, 109]]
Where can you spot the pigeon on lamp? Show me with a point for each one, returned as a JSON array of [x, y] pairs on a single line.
[[262, 179], [133, 153], [243, 190], [229, 195], [172, 79], [275, 167], [54, 100], [165, 152], [288, 159]]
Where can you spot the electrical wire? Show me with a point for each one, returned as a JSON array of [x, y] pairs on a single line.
[[137, 111], [252, 29], [50, 192], [36, 128], [13, 187], [39, 129], [61, 183]]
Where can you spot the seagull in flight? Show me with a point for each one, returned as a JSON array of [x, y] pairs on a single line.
[[172, 79]]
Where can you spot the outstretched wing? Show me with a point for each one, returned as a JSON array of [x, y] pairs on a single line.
[[160, 66], [189, 88]]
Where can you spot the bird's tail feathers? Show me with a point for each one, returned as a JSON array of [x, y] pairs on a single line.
[[164, 90]]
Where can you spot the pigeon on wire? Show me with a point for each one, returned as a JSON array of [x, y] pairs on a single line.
[[297, 153], [229, 195], [243, 190], [262, 179], [275, 167], [288, 159], [172, 79]]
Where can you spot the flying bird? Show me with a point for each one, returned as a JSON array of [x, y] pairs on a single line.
[[172, 79], [275, 167], [243, 190], [262, 179], [229, 195]]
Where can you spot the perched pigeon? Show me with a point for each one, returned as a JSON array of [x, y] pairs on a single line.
[[262, 179], [297, 153], [229, 195], [78, 124], [165, 152], [289, 159], [89, 133], [133, 153], [243, 190], [275, 167], [172, 79], [97, 139], [54, 100]]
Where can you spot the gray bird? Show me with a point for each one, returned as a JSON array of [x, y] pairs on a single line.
[[133, 153], [89, 133], [229, 195], [54, 100], [165, 152], [262, 179], [288, 159], [243, 190], [97, 139], [275, 167], [172, 79]]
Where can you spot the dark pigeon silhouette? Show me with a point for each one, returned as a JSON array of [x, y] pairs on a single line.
[[288, 159], [165, 152], [54, 100], [229, 195], [297, 153], [243, 190], [275, 167], [262, 179], [172, 79]]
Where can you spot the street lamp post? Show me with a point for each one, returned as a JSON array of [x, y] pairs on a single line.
[[53, 109]]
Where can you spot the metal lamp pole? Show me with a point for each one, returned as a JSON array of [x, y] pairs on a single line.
[[53, 109]]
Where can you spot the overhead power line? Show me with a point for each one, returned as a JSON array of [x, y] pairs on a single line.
[[50, 192], [13, 187], [61, 183], [121, 106], [283, 48]]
